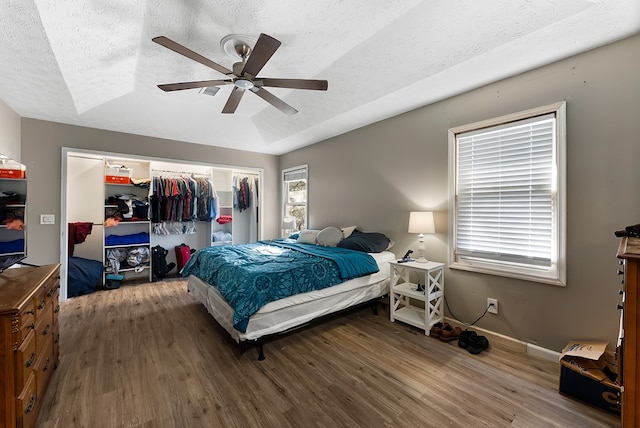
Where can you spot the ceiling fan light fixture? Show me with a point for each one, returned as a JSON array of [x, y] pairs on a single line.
[[235, 45], [243, 84]]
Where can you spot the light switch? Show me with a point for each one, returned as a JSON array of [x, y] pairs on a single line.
[[47, 219]]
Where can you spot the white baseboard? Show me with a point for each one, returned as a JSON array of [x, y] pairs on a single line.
[[544, 353], [507, 342]]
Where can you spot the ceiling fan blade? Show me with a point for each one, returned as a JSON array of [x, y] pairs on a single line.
[[167, 87], [176, 47], [273, 100], [233, 101], [317, 85], [264, 49]]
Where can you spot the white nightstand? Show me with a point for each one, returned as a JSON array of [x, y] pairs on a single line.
[[404, 294]]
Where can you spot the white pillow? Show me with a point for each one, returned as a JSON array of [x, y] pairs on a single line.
[[308, 236], [329, 236], [347, 231]]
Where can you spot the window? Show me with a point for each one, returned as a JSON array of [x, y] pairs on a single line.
[[507, 185], [295, 199]]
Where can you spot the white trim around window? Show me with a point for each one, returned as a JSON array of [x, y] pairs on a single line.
[[507, 204]]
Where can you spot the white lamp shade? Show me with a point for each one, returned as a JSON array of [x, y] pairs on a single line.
[[421, 222]]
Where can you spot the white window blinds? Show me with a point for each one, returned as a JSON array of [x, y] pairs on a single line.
[[505, 192], [295, 174]]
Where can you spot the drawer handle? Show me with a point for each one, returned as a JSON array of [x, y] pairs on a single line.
[[46, 365], [32, 402], [46, 330], [42, 304], [31, 312], [50, 292], [57, 309], [31, 326], [29, 363]]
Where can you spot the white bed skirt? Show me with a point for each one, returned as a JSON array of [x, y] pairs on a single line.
[[290, 312]]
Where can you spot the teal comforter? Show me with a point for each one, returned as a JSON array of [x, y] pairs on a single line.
[[251, 275]]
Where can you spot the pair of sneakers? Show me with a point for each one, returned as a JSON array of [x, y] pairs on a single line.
[[472, 342]]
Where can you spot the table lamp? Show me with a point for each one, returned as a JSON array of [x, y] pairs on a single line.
[[288, 224], [421, 222]]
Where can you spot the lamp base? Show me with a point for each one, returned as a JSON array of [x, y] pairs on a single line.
[[421, 260]]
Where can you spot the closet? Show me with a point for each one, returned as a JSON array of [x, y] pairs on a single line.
[[13, 194], [130, 204]]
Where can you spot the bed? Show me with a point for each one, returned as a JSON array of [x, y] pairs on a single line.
[[218, 276]]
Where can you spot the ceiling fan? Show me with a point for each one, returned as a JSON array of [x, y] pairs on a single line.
[[244, 74]]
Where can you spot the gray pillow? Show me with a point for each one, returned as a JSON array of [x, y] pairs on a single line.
[[329, 236], [308, 236]]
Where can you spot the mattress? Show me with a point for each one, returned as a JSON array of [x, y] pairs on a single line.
[[290, 312]]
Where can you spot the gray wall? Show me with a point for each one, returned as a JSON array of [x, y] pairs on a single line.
[[41, 153], [9, 132], [374, 176]]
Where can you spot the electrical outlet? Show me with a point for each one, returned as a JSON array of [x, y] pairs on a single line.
[[492, 304]]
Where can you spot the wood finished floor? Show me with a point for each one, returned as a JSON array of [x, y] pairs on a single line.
[[149, 355]]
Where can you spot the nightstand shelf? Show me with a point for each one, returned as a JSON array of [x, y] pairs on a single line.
[[409, 303]]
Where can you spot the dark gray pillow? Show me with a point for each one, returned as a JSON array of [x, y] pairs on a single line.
[[369, 242]]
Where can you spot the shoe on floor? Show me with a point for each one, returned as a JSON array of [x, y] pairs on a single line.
[[436, 330], [449, 333], [477, 344], [463, 341]]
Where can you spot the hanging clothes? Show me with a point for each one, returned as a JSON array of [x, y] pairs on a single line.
[[78, 233], [182, 200]]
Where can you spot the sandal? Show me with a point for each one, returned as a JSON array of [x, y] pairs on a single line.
[[465, 336], [449, 333], [477, 344], [436, 330]]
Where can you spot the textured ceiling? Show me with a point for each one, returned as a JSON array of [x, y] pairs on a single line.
[[92, 62]]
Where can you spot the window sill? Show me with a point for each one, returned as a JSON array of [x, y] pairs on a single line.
[[522, 275]]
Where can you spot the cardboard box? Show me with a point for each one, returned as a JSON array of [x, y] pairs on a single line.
[[116, 175], [586, 372]]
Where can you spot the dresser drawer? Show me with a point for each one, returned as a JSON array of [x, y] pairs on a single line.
[[56, 343], [40, 301], [43, 368], [25, 360], [26, 318], [44, 328], [26, 404], [52, 285]]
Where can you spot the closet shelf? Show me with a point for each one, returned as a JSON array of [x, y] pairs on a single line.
[[127, 269], [145, 244]]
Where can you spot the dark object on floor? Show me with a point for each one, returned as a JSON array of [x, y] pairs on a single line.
[[477, 344], [112, 281], [84, 276], [159, 262], [436, 329], [450, 333], [463, 340]]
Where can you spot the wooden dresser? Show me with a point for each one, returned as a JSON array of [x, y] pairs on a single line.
[[629, 253], [28, 340]]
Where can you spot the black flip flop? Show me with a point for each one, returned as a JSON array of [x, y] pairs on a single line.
[[463, 340], [477, 344]]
